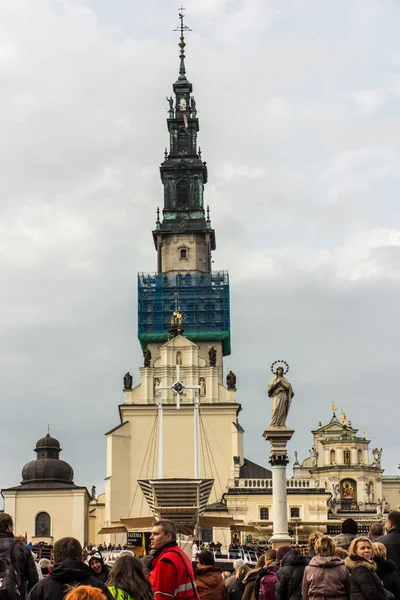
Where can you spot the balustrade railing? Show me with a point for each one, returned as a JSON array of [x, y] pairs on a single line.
[[267, 483]]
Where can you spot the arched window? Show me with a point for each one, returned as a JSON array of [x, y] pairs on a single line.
[[264, 514], [42, 525], [346, 456], [183, 193], [183, 140], [295, 513], [360, 457], [183, 254], [333, 457]]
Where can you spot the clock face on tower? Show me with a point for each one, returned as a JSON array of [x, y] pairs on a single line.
[[182, 103]]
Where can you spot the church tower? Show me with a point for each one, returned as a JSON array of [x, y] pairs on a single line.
[[184, 331], [184, 238]]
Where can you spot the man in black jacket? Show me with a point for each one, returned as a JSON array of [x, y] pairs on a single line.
[[20, 555], [392, 538], [290, 574], [68, 570]]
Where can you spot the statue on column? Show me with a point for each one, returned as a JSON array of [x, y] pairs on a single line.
[[231, 381], [128, 380], [212, 356], [147, 358], [281, 392]]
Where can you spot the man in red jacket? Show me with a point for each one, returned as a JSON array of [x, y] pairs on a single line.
[[171, 574]]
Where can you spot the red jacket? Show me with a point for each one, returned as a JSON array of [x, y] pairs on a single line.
[[171, 575]]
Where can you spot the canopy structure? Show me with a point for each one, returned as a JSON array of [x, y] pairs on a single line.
[[179, 500]]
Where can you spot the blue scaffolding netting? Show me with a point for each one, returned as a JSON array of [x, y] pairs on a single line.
[[203, 299]]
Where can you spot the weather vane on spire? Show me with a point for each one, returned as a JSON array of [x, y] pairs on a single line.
[[182, 28]]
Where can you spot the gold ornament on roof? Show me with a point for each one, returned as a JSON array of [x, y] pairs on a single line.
[[344, 419], [176, 319], [334, 407]]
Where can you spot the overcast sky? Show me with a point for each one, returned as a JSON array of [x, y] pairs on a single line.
[[300, 126]]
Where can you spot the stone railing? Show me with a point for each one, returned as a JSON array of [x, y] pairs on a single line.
[[260, 484]]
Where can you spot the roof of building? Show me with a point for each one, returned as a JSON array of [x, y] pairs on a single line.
[[252, 470]]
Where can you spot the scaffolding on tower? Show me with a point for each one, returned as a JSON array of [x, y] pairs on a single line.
[[203, 300]]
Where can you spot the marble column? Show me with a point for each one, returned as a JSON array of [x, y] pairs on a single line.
[[278, 438]]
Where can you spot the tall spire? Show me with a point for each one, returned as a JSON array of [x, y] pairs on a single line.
[[182, 28]]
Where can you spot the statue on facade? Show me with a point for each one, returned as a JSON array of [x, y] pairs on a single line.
[[231, 381], [296, 458], [146, 358], [212, 356], [156, 383], [128, 380], [202, 386], [170, 100], [377, 455], [369, 492], [336, 491], [281, 392], [193, 109], [93, 494], [380, 508]]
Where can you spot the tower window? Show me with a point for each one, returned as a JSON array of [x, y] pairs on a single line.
[[42, 525], [346, 456], [182, 141], [264, 514], [183, 194], [183, 254]]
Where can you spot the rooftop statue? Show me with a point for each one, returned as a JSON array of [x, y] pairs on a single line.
[[281, 392]]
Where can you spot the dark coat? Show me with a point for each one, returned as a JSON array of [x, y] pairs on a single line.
[[388, 574], [290, 576], [62, 575], [365, 583], [392, 543], [250, 582], [210, 583], [22, 560], [327, 577], [343, 540], [235, 589]]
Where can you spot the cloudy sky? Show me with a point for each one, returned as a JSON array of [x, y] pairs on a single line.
[[300, 126]]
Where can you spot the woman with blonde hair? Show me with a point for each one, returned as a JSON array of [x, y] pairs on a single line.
[[386, 570], [325, 576], [365, 583], [312, 538], [127, 580]]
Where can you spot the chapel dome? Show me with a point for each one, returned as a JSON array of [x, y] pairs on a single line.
[[47, 470]]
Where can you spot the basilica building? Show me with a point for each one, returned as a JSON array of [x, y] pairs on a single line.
[[176, 448]]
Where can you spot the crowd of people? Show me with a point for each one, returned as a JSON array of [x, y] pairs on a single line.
[[347, 567]]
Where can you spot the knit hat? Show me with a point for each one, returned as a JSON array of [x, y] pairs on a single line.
[[95, 556], [282, 551]]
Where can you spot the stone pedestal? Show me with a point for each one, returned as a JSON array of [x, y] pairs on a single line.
[[278, 438]]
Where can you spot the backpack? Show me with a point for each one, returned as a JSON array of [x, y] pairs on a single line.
[[8, 576], [267, 587]]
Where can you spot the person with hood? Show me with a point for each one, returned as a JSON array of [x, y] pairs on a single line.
[[208, 578], [326, 576], [386, 570], [68, 571], [235, 589], [290, 574], [99, 569], [365, 583], [349, 533], [128, 581]]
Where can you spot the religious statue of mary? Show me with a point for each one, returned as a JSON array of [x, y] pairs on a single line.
[[281, 392]]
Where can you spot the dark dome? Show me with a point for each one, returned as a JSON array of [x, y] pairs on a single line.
[[47, 469], [48, 442]]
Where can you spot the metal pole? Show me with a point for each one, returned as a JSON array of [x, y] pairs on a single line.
[[196, 436], [160, 439]]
